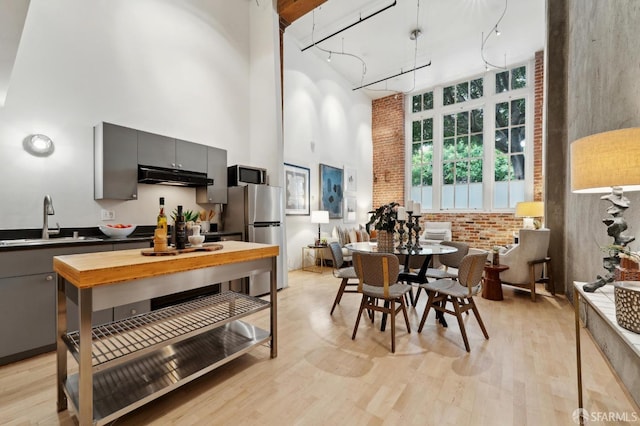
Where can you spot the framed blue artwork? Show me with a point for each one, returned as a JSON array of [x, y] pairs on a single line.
[[331, 190]]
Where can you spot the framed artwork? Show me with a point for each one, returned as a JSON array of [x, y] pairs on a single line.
[[350, 179], [296, 190], [331, 193], [349, 209]]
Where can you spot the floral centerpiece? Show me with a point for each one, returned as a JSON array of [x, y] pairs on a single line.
[[384, 219]]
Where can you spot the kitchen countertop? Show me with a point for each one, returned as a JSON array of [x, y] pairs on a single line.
[[141, 234], [95, 269]]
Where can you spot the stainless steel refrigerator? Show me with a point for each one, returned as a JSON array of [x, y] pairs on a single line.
[[257, 212]]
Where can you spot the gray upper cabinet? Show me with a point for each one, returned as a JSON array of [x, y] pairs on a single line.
[[156, 150], [191, 156], [115, 162], [216, 170], [170, 153]]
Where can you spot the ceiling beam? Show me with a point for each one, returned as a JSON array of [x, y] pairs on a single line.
[[290, 10]]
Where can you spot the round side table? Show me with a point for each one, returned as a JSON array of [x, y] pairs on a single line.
[[492, 288]]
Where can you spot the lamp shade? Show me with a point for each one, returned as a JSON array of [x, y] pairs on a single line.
[[320, 216], [530, 209], [604, 160]]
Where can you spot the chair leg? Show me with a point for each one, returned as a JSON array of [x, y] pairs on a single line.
[[343, 286], [426, 310], [456, 307], [477, 314], [393, 325], [414, 302], [404, 311], [362, 304], [532, 278]]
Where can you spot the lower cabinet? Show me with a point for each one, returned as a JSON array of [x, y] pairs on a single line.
[[28, 316]]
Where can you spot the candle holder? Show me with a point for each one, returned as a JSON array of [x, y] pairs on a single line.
[[409, 226], [416, 228], [401, 246]]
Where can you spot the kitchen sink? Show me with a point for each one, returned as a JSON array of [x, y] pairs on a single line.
[[42, 241]]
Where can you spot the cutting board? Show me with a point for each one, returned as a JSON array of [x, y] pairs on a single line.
[[172, 251]]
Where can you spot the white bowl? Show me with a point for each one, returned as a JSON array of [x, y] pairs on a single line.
[[196, 240], [112, 232]]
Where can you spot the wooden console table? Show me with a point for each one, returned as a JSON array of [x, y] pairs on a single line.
[[602, 301]]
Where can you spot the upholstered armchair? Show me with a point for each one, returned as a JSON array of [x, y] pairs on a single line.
[[527, 261]]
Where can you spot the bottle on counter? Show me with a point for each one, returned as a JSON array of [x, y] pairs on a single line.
[[181, 230], [162, 217]]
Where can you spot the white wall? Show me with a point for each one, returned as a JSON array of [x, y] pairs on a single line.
[[326, 122], [178, 68]]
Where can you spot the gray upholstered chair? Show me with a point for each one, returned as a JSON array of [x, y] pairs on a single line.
[[378, 279], [458, 292], [450, 264], [345, 273], [527, 261]]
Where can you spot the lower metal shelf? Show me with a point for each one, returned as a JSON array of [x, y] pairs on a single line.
[[121, 389]]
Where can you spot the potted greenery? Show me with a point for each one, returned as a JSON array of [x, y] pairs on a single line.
[[384, 220]]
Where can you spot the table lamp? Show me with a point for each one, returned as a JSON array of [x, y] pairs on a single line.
[[609, 163], [528, 210], [319, 217]]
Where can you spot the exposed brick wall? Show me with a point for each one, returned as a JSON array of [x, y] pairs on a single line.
[[481, 230], [538, 155], [387, 132]]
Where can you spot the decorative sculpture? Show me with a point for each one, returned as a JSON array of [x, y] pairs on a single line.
[[616, 225]]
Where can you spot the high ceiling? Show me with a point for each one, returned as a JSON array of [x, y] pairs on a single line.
[[451, 39]]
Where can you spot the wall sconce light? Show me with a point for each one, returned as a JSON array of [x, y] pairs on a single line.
[[38, 145]]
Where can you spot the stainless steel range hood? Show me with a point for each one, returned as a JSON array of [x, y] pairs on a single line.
[[176, 177]]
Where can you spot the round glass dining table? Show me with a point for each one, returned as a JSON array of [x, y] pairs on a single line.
[[426, 252]]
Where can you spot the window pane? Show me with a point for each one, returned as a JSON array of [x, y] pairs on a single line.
[[449, 122], [461, 196], [427, 198], [448, 149], [427, 152], [476, 88], [447, 196], [517, 112], [517, 139], [462, 124], [516, 193], [416, 162], [427, 129], [427, 101], [462, 171], [447, 173], [502, 141], [448, 95], [502, 114], [517, 163], [416, 131], [475, 172], [519, 77], [475, 196], [462, 92], [417, 103], [462, 147], [501, 195], [477, 119], [502, 167], [475, 149], [427, 175], [502, 82]]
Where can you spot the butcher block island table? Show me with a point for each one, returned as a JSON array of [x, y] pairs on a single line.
[[125, 364]]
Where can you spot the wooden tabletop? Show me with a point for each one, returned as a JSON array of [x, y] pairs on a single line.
[[94, 269]]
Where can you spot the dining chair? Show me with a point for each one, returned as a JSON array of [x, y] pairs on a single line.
[[459, 292], [345, 273], [378, 279]]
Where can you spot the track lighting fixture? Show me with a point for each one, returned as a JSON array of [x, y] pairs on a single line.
[[495, 31], [329, 58]]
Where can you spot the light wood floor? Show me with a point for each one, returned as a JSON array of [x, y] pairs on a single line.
[[525, 374]]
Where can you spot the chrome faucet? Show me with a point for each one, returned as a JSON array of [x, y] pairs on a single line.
[[48, 211]]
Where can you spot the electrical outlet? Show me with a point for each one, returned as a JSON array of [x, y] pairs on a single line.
[[107, 214]]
